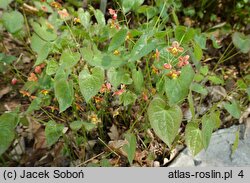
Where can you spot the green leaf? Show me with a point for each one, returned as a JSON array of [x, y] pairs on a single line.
[[241, 41], [142, 47], [215, 80], [138, 80], [241, 84], [52, 67], [77, 125], [233, 109], [4, 3], [117, 77], [53, 132], [105, 163], [99, 18], [41, 47], [90, 84], [109, 60], [43, 53], [197, 51], [137, 4], [127, 5], [199, 88], [198, 77], [148, 11], [201, 40], [63, 90], [96, 58], [215, 42], [193, 138], [35, 105], [204, 70], [43, 32], [208, 125], [177, 89], [128, 98], [13, 21], [84, 17], [8, 123], [184, 34], [164, 120], [69, 59], [248, 92], [130, 148], [236, 143], [117, 40]]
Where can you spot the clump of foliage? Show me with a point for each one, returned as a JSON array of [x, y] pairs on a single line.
[[136, 66]]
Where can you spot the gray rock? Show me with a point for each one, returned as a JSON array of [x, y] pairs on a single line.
[[219, 152]]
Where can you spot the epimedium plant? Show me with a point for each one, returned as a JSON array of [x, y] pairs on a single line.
[[83, 63]]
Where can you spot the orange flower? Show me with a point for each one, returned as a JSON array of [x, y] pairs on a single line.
[[44, 8], [45, 92], [113, 13], [175, 48], [144, 96], [76, 20], [32, 77], [38, 69], [94, 118], [157, 54], [183, 61], [56, 5], [167, 66], [121, 91], [98, 99], [155, 70], [105, 88], [174, 74], [63, 13], [129, 36], [116, 52], [108, 86], [25, 93]]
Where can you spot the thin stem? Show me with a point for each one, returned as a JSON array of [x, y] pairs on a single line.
[[158, 19]]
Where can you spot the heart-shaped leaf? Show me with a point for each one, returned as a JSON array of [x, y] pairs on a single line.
[[69, 59], [209, 123], [13, 21], [164, 120], [84, 17], [63, 90], [177, 89], [53, 132], [130, 148], [4, 3], [193, 138], [242, 42], [142, 47], [117, 40], [233, 109], [8, 122], [43, 32], [138, 80], [90, 84]]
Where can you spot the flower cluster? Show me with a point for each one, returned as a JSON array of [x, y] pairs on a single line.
[[175, 49], [114, 23]]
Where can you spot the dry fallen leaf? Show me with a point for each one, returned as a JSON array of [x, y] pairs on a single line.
[[4, 91], [113, 134], [117, 146]]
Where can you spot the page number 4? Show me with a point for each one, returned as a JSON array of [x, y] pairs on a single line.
[[240, 174]]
